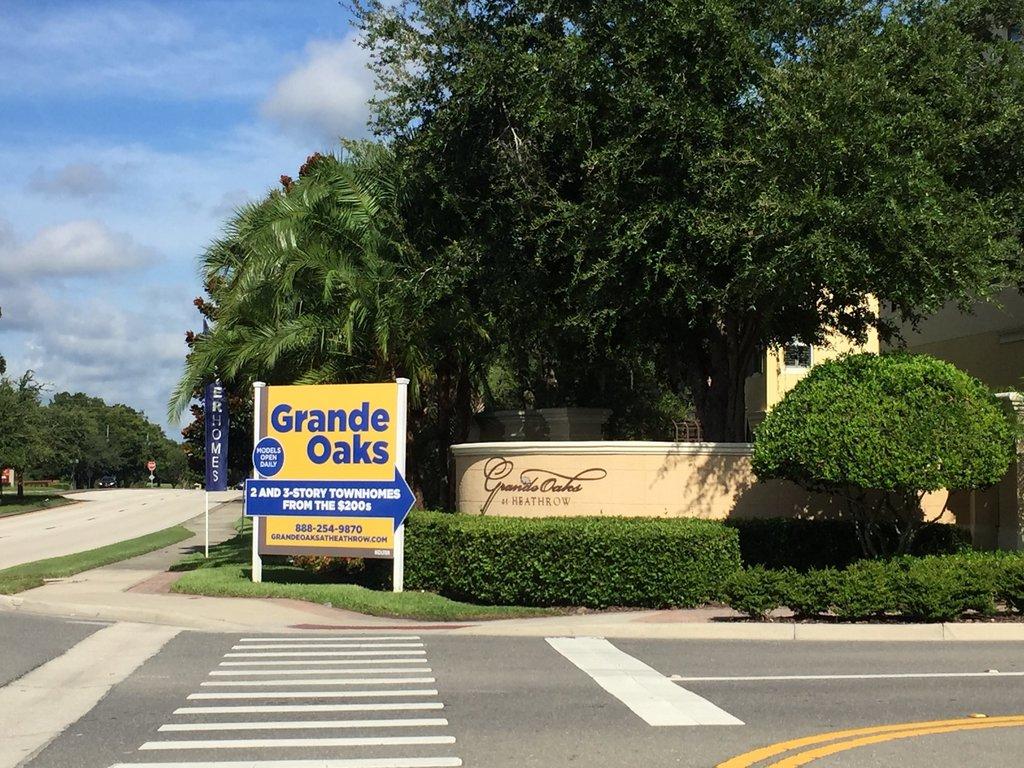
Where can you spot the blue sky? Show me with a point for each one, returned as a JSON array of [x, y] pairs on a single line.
[[129, 131]]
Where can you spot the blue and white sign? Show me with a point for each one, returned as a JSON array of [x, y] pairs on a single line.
[[330, 498], [215, 415], [268, 457]]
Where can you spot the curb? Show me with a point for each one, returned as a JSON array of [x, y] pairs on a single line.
[[113, 613], [945, 632]]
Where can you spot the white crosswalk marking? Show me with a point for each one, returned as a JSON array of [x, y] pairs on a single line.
[[373, 762], [651, 695], [310, 694], [312, 654], [319, 662], [343, 741], [312, 646], [315, 681], [264, 725], [373, 665], [368, 671], [266, 708], [325, 639]]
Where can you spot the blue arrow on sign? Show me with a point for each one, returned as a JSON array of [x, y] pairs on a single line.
[[330, 498]]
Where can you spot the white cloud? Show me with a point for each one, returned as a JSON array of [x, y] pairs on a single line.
[[82, 180], [97, 346], [83, 248], [152, 50], [327, 94]]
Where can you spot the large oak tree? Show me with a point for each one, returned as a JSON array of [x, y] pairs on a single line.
[[695, 181]]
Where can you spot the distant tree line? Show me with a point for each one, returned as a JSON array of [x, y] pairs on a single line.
[[78, 439]]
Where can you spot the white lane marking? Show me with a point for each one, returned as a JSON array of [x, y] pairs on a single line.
[[651, 695], [893, 676], [43, 703], [369, 671], [340, 741], [358, 762], [329, 681], [266, 725], [320, 638], [319, 662], [308, 694], [281, 708], [268, 654], [314, 646]]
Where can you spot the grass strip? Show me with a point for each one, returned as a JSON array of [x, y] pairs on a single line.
[[227, 574], [18, 578], [31, 502]]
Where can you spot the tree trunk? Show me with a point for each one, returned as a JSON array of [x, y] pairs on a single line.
[[19, 478], [717, 377]]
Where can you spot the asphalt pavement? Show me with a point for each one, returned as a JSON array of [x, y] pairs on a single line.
[[393, 699], [96, 519]]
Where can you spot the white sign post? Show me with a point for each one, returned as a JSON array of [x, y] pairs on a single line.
[[401, 425], [259, 404]]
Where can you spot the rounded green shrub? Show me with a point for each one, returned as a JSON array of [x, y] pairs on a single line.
[[758, 591], [813, 593], [867, 589], [944, 588], [1011, 582], [881, 430]]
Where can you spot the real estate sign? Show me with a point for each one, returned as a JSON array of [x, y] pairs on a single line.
[[329, 464]]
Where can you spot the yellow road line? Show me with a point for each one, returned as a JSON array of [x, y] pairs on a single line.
[[803, 758], [748, 759]]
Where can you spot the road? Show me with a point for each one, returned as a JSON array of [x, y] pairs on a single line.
[[96, 519], [391, 699]]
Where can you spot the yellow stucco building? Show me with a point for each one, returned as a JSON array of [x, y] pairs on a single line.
[[779, 370]]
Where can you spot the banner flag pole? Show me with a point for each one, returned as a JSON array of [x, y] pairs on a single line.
[[206, 547]]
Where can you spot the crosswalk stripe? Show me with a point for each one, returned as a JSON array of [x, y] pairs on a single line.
[[263, 725], [270, 654], [651, 695], [370, 671], [329, 681], [340, 741], [256, 709], [358, 762], [322, 638], [308, 694], [318, 662], [312, 646]]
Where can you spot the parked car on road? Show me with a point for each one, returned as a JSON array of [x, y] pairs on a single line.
[[107, 481]]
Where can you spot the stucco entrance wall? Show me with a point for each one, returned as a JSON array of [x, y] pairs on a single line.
[[712, 481]]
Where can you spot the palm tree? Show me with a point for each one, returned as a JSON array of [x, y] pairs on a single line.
[[317, 283]]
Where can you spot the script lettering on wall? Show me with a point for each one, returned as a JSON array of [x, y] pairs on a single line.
[[533, 487]]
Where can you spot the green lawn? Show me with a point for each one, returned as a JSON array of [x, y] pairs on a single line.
[[30, 575], [227, 574], [33, 500]]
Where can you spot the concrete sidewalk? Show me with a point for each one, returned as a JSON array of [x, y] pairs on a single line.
[[137, 590]]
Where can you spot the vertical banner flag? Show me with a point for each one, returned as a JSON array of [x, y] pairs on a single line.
[[215, 413]]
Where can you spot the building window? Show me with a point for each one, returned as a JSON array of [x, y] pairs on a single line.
[[797, 355]]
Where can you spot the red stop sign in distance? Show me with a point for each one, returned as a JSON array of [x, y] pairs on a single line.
[[150, 465]]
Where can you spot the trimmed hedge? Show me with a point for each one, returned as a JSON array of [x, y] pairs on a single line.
[[934, 588], [809, 544], [594, 562]]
